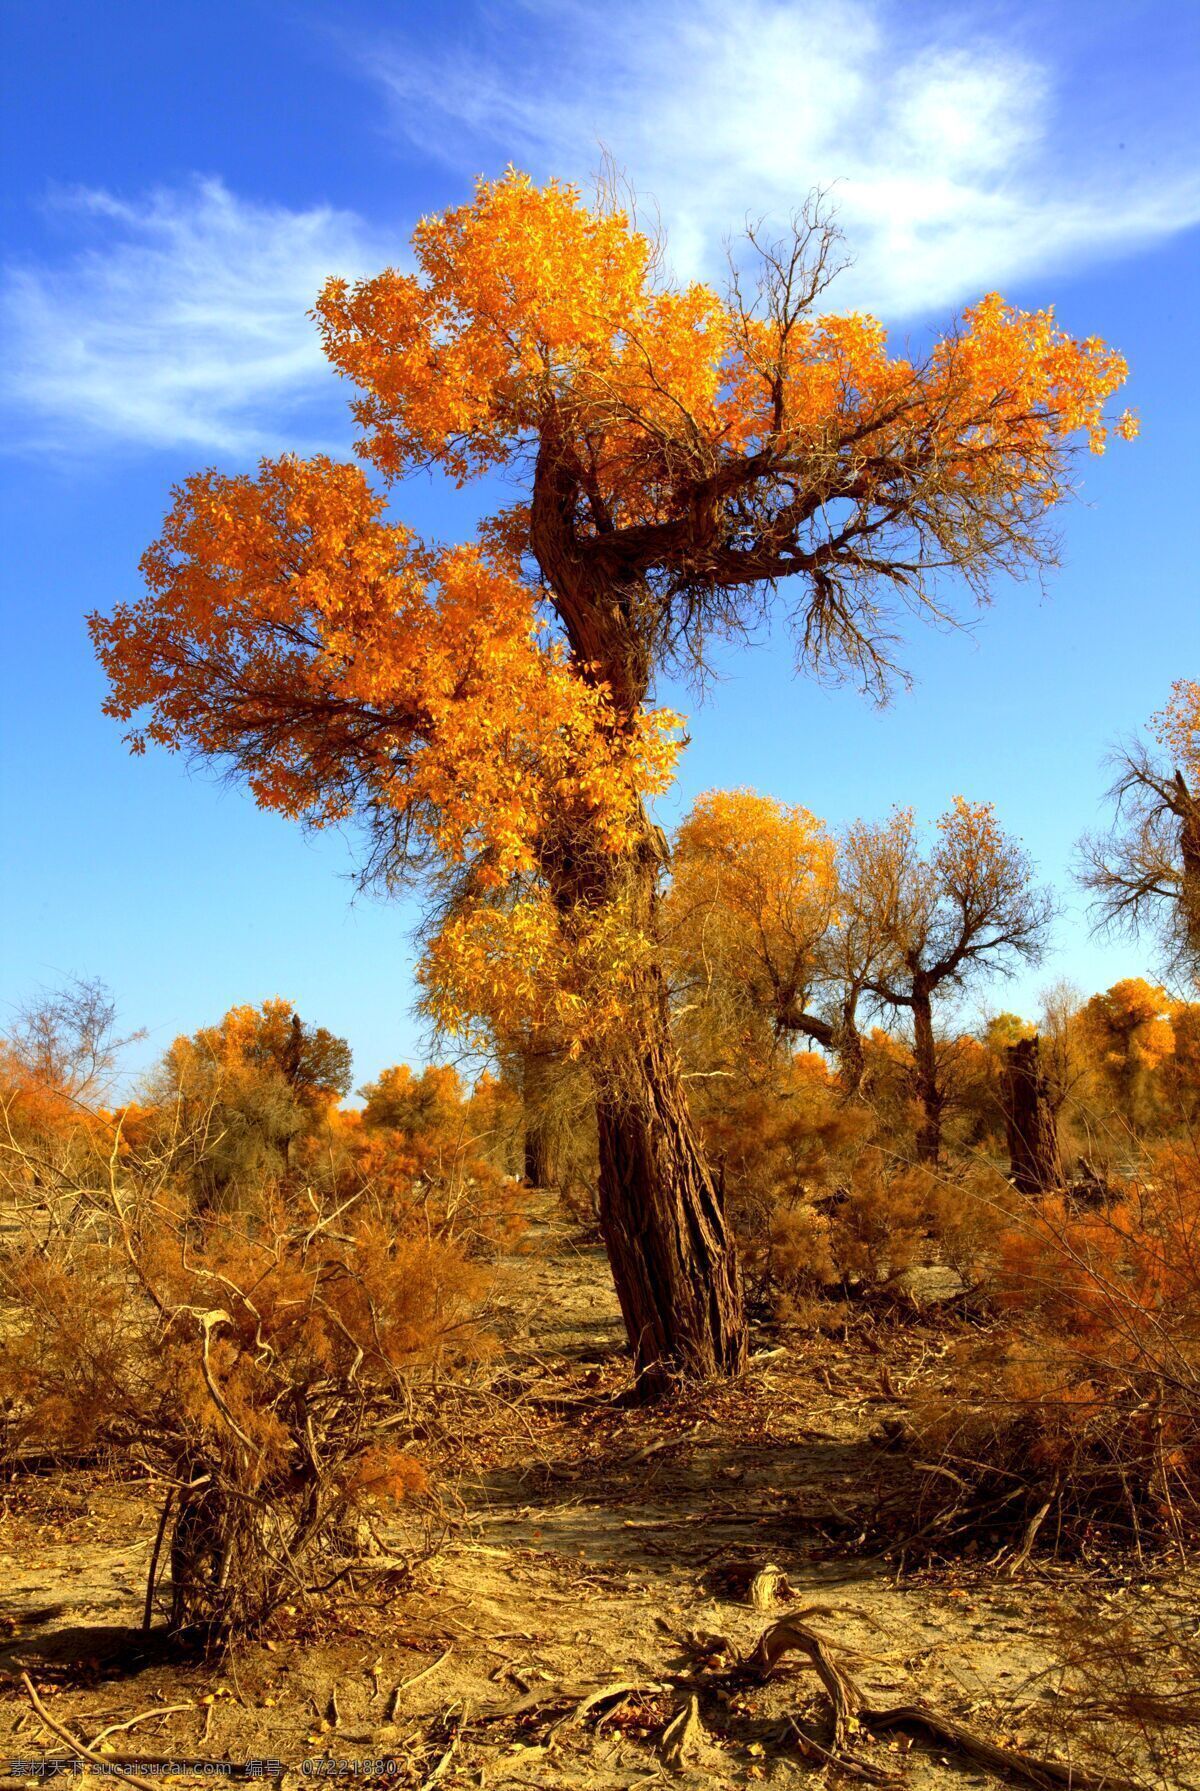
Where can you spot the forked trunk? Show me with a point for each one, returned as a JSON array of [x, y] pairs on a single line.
[[661, 1213], [662, 1216]]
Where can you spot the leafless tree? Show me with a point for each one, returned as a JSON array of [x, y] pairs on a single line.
[[67, 1039], [1144, 873]]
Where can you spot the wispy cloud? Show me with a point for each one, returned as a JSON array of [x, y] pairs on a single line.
[[180, 321], [947, 148]]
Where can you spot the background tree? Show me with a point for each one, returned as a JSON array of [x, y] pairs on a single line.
[[1145, 871], [685, 457], [1128, 1034], [66, 1040], [58, 1062], [751, 902], [247, 1090], [965, 909]]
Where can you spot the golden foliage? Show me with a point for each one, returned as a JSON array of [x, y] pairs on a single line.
[[1177, 726], [487, 706]]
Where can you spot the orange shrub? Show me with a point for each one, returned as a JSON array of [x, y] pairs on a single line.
[[1080, 1419], [438, 1152], [266, 1373]]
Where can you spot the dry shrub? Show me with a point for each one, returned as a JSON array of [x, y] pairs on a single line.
[[54, 1131], [271, 1374], [1078, 1419], [781, 1138], [1126, 1684], [969, 1210], [890, 1216], [881, 1222]]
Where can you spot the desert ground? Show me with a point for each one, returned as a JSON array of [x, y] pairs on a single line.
[[600, 1567]]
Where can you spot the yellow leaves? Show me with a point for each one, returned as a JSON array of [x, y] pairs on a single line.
[[491, 969], [752, 879], [970, 835], [1130, 1027]]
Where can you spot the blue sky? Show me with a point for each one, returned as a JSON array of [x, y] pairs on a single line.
[[179, 179]]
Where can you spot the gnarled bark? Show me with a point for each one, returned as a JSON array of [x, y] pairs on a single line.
[[1189, 883], [1034, 1162], [662, 1216]]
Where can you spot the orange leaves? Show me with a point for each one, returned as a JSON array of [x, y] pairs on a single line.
[[978, 864], [1177, 726], [519, 289], [1124, 1274], [682, 452], [1034, 374], [292, 631], [532, 312]]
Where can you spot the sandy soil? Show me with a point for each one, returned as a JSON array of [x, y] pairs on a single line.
[[600, 1546]]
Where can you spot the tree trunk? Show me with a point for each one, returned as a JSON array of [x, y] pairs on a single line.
[[662, 1213], [929, 1090], [539, 1169], [662, 1216], [1189, 889], [537, 1164], [852, 1059], [1029, 1120]]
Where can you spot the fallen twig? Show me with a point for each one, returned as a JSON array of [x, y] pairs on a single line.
[[144, 1717], [79, 1748], [403, 1685], [608, 1694]]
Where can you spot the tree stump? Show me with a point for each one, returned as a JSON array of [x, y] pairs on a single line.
[[1030, 1120]]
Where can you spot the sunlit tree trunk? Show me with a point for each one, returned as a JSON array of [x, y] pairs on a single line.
[[665, 1231], [662, 1212]]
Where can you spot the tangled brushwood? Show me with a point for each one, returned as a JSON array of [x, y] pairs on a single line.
[[273, 1372], [1076, 1419]]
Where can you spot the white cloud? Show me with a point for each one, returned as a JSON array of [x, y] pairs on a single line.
[[183, 325], [178, 320], [946, 152]]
